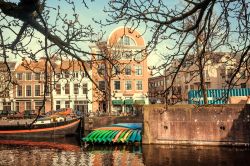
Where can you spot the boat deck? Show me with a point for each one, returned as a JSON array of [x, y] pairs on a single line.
[[13, 122]]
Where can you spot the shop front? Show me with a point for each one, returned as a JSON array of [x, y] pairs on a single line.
[[117, 106], [128, 103]]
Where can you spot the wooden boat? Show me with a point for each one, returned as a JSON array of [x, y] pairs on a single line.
[[45, 127]]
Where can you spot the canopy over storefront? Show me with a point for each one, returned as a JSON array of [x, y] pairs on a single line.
[[129, 102], [139, 102], [117, 102]]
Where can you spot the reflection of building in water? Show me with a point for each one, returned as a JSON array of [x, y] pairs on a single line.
[[116, 157], [39, 156]]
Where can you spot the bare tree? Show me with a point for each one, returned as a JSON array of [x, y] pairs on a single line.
[[32, 28], [188, 29], [109, 65]]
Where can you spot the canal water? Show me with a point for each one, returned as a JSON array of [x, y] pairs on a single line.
[[70, 152]]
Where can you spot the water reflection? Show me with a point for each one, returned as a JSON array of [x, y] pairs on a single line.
[[69, 151], [115, 155], [195, 155]]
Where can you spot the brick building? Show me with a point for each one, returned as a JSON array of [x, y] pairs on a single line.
[[120, 71], [6, 85], [217, 72]]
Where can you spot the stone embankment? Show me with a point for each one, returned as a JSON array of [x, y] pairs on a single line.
[[189, 124]]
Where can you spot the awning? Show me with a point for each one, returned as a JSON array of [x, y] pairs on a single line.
[[117, 102], [128, 102], [139, 102]]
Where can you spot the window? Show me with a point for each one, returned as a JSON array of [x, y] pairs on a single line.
[[243, 85], [58, 105], [58, 89], [126, 40], [230, 73], [47, 91], [58, 75], [76, 89], [28, 76], [127, 55], [116, 54], [67, 90], [66, 74], [222, 73], [19, 76], [28, 105], [38, 106], [37, 90], [128, 85], [138, 56], [84, 88], [128, 70], [138, 84], [84, 74], [37, 76], [67, 104], [101, 69], [75, 75], [116, 70], [117, 85], [138, 70], [28, 90], [102, 85], [17, 107], [99, 55], [243, 74], [19, 90]]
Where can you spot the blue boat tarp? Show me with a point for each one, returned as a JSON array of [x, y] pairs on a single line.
[[129, 125]]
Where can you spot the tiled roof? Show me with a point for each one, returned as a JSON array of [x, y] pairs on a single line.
[[3, 66]]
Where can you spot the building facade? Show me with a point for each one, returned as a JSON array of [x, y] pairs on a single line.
[[217, 72], [65, 85], [72, 87], [120, 72], [7, 72], [156, 89]]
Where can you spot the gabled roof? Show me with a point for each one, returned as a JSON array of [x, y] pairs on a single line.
[[72, 65], [33, 66], [3, 66]]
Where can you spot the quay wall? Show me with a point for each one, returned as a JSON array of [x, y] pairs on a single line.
[[192, 125]]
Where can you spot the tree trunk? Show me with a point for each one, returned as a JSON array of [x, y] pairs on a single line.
[[203, 83]]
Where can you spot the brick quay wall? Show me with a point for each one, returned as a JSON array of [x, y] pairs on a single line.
[[192, 125]]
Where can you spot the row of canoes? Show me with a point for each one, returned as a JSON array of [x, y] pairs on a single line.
[[118, 133]]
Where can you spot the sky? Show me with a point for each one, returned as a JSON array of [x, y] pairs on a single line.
[[95, 10], [86, 15]]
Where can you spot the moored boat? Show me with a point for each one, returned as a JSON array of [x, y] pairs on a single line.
[[52, 126]]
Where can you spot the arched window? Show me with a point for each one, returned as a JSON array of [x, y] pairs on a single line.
[[126, 40]]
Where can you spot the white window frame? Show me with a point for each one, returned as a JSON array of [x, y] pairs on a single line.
[[17, 90], [26, 105], [136, 88], [26, 74], [130, 85], [138, 68], [30, 90], [114, 84], [35, 89]]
